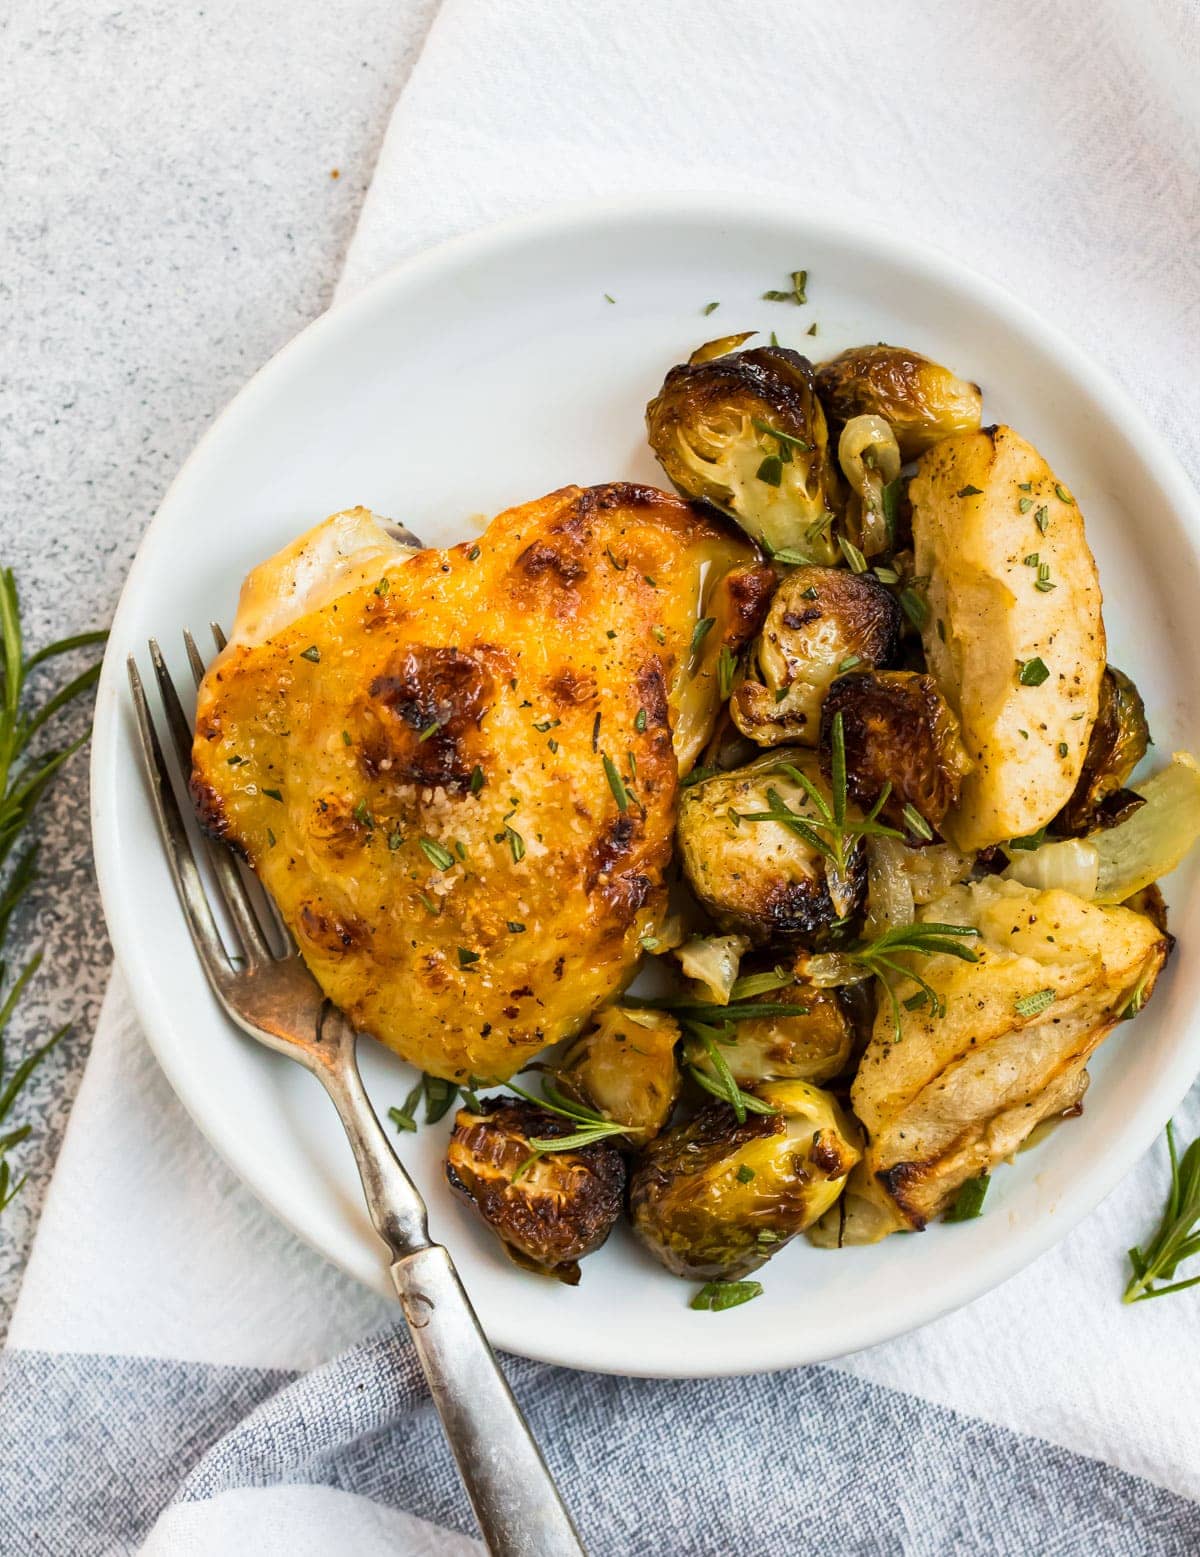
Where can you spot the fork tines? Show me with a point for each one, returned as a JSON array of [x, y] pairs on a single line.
[[255, 942]]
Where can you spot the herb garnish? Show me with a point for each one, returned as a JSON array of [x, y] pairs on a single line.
[[726, 670], [616, 784], [431, 728], [639, 720], [711, 308], [968, 1203], [592, 1126], [798, 292], [858, 563], [1035, 1003], [969, 491], [771, 470], [918, 939], [312, 654], [830, 829], [700, 632], [437, 854], [1031, 673], [714, 1296], [1177, 1236], [516, 844]]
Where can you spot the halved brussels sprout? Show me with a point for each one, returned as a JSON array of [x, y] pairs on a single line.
[[623, 1066], [813, 1045], [763, 878], [1117, 744], [921, 401], [820, 622], [562, 1207], [746, 432], [714, 1198], [870, 459], [898, 729]]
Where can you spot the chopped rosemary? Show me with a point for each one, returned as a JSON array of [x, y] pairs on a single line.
[[431, 728], [726, 670], [312, 653], [1035, 1003], [384, 586], [771, 470], [474, 554], [274, 794], [639, 720], [616, 784], [968, 1203], [745, 1174], [1025, 504], [711, 308], [478, 779], [785, 440], [1063, 495], [969, 491], [1042, 519], [1031, 673], [437, 854], [917, 823], [715, 1296], [700, 632], [516, 843], [858, 563], [466, 956]]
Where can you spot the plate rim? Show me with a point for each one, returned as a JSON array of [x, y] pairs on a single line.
[[1012, 1254]]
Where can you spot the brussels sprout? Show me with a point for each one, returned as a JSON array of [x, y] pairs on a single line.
[[560, 1208], [746, 432], [821, 621], [813, 1045], [764, 879], [1118, 743], [624, 1067], [714, 1198], [870, 459], [921, 401], [897, 729]]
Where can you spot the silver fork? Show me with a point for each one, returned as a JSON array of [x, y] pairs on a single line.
[[272, 996]]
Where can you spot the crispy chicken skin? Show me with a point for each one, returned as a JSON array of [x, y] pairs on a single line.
[[957, 1093], [456, 771]]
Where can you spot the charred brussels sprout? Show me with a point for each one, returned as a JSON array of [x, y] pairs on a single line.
[[820, 622], [922, 401], [624, 1067], [560, 1208], [1118, 743], [714, 1198], [812, 1045], [746, 432], [897, 729], [764, 879]]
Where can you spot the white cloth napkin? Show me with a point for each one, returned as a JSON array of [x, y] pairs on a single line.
[[1054, 146]]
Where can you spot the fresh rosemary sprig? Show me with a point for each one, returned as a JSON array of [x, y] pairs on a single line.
[[922, 940], [1177, 1237], [24, 778], [593, 1127], [830, 831]]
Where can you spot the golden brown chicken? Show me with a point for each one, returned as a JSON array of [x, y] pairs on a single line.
[[456, 771]]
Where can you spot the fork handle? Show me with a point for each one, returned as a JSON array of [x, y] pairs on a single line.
[[512, 1492]]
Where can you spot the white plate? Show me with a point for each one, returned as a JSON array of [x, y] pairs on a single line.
[[483, 374]]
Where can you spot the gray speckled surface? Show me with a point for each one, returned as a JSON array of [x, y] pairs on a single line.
[[168, 219]]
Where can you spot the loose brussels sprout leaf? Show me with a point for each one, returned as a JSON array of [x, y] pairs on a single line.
[[624, 1067], [899, 731], [922, 401], [1118, 743], [1113, 864], [768, 880], [713, 961], [713, 1198], [870, 461], [820, 621], [746, 432], [560, 1208]]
